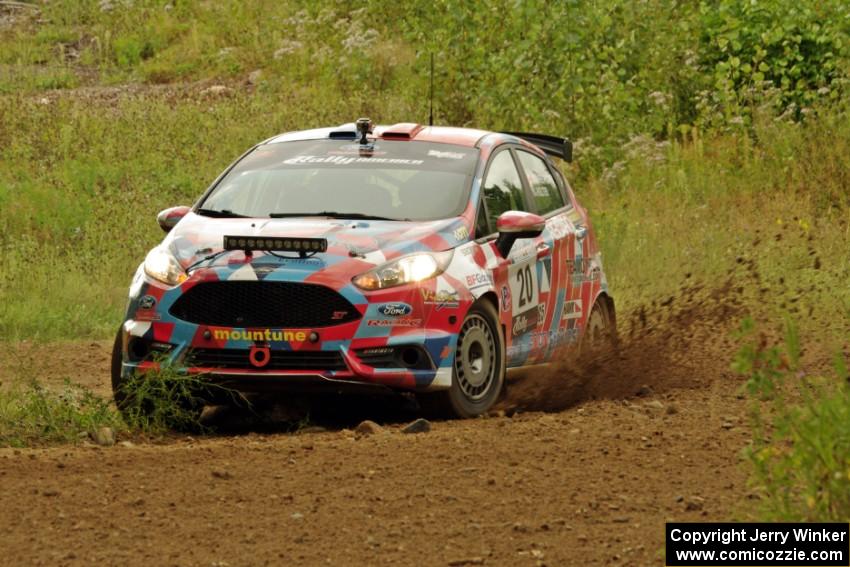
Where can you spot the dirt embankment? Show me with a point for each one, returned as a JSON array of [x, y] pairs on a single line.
[[586, 465]]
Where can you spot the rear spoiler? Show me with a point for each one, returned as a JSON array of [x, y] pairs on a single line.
[[552, 145]]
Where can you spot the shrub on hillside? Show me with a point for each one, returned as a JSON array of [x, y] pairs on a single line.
[[783, 52]]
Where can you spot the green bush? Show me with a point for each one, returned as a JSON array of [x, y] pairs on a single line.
[[801, 446], [784, 52]]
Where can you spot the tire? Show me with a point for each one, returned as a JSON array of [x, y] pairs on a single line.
[[479, 367], [118, 393], [600, 334]]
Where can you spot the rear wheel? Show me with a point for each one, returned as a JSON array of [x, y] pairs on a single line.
[[479, 366], [601, 331]]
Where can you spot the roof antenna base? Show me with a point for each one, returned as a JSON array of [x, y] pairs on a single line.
[[364, 128]]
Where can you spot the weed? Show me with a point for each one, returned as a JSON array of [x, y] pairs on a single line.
[[801, 446], [34, 415], [162, 400]]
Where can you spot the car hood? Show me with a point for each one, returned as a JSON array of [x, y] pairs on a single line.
[[196, 237]]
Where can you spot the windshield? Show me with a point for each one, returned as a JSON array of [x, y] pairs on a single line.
[[395, 180]]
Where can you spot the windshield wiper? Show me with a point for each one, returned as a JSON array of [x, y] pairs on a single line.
[[331, 214], [220, 214]]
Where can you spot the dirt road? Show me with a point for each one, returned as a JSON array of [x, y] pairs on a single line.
[[591, 485], [651, 435]]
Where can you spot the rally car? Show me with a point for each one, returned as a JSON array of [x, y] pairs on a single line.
[[406, 257]]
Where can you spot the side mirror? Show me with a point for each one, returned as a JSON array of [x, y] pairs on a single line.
[[513, 225], [170, 217]]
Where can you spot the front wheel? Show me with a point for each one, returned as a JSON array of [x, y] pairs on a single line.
[[479, 366]]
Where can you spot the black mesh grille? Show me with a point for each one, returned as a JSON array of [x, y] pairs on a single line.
[[263, 304], [280, 360]]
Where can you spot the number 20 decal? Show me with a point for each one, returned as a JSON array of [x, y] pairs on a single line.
[[524, 288], [526, 285]]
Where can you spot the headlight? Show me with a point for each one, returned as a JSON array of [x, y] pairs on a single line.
[[161, 265], [407, 269]]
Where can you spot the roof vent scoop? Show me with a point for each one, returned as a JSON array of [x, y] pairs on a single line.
[[364, 128], [401, 131]]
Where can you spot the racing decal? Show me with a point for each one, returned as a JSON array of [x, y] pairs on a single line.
[[404, 322], [478, 279], [441, 299], [522, 279], [147, 302], [506, 298], [395, 309], [461, 233], [341, 160], [524, 322], [571, 310], [260, 335], [558, 227], [445, 155], [583, 270]]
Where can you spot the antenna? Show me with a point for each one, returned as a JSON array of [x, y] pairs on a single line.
[[431, 115]]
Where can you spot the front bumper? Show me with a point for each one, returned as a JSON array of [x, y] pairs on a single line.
[[413, 351], [415, 361]]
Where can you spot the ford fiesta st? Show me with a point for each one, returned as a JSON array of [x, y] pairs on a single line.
[[415, 258]]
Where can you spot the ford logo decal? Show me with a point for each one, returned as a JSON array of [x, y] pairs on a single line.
[[395, 309]]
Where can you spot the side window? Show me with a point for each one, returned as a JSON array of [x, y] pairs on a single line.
[[502, 187], [547, 195]]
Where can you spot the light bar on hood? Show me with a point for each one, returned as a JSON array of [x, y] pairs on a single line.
[[276, 244]]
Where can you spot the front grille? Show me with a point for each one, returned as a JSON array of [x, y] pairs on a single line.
[[263, 304], [280, 359]]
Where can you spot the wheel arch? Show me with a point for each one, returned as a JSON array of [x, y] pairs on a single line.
[[605, 299], [491, 297]]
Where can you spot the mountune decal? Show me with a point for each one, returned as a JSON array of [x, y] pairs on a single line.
[[260, 335]]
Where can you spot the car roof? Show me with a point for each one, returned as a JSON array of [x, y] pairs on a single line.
[[402, 131]]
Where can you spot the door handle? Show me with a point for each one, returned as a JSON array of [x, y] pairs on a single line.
[[543, 250], [581, 232]]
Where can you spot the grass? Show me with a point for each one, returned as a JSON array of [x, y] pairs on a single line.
[[151, 404], [34, 415], [697, 207], [800, 454]]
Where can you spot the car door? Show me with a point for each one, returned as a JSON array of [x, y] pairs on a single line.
[[560, 299], [517, 278]]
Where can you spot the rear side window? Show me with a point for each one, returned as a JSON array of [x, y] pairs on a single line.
[[544, 189], [502, 188]]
